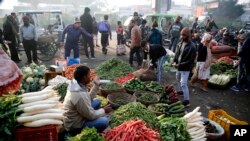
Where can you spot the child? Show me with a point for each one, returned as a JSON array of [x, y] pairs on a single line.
[[119, 31]]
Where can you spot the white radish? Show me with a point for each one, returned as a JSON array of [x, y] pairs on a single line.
[[202, 135], [195, 124], [36, 93], [199, 139], [48, 88], [40, 116], [53, 110], [36, 98], [195, 119], [191, 114], [198, 132], [193, 129], [55, 98], [38, 107], [37, 103], [43, 122]]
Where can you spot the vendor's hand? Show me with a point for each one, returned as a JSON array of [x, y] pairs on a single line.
[[96, 81], [107, 109]]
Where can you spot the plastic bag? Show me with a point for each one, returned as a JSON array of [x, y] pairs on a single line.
[[120, 50], [72, 61]]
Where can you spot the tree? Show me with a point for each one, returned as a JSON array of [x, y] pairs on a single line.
[[228, 10]]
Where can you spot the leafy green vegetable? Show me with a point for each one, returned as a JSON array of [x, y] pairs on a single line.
[[8, 114], [87, 134], [112, 86], [132, 111], [148, 97], [61, 89], [174, 129], [113, 68], [155, 87], [121, 101], [135, 84]]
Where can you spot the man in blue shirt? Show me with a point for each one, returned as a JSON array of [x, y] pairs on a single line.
[[74, 31]]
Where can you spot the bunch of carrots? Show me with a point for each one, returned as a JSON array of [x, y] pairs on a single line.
[[124, 79], [69, 73], [134, 130]]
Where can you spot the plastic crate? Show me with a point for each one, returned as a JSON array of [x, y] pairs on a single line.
[[215, 116], [44, 133]]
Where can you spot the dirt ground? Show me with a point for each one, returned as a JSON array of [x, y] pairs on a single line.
[[235, 104]]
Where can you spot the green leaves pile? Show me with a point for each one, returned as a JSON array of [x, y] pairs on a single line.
[[8, 114], [173, 129], [223, 68], [61, 89], [113, 68], [87, 134], [132, 111]]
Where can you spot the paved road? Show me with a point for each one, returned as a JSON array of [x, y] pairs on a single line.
[[236, 104]]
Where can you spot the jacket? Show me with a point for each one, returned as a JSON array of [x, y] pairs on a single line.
[[135, 37], [155, 37], [87, 22], [244, 51], [187, 57], [77, 106], [9, 31], [175, 29], [156, 52], [73, 34]]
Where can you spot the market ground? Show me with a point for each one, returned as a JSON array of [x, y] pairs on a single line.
[[235, 104]]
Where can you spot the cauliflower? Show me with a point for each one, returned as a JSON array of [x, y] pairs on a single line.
[[35, 71], [29, 79], [22, 91], [41, 81], [28, 70]]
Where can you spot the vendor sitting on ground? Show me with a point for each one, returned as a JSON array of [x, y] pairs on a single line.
[[81, 109]]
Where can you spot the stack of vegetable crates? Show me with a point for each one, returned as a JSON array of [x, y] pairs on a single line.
[[44, 133], [225, 120]]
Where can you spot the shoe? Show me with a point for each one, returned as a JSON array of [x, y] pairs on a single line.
[[93, 58], [186, 103], [36, 62], [235, 89], [180, 93], [87, 57]]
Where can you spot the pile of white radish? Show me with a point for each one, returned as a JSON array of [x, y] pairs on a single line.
[[41, 108], [196, 129]]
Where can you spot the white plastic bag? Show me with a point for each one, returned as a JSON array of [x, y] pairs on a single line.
[[120, 50]]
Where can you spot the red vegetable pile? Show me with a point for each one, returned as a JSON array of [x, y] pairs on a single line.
[[124, 79], [225, 59], [134, 130]]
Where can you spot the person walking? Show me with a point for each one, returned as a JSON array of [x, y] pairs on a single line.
[[10, 35], [243, 78], [81, 109], [183, 62], [194, 25], [105, 30], [204, 58], [135, 44], [119, 31], [28, 38], [210, 24], [137, 19], [87, 24], [95, 32], [144, 30], [74, 31], [174, 32]]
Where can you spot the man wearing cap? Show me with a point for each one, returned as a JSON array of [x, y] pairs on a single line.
[[74, 31], [28, 38], [243, 80], [87, 24], [174, 32], [137, 19]]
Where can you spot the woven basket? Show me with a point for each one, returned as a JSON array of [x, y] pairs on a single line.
[[140, 93], [106, 92], [151, 108], [124, 96]]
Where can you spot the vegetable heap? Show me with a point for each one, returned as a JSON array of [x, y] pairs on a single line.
[[221, 80], [173, 129], [111, 86], [155, 87], [62, 90], [103, 100], [210, 128], [225, 59], [120, 101], [32, 78], [124, 79], [40, 108], [223, 68], [113, 68], [134, 130], [132, 111], [170, 95], [69, 72], [8, 113], [196, 129], [147, 97], [173, 110], [87, 134], [135, 84]]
